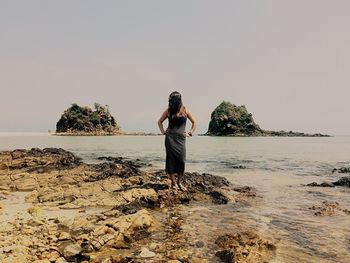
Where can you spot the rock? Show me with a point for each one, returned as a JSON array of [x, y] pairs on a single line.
[[198, 260], [328, 208], [344, 181], [141, 202], [236, 247], [324, 184], [129, 223], [205, 182], [26, 183], [179, 254], [69, 249], [218, 197], [32, 197], [78, 120], [133, 194], [146, 253], [35, 210], [61, 260], [54, 256], [239, 167], [199, 244], [341, 170], [246, 191], [226, 256], [228, 119], [63, 236]]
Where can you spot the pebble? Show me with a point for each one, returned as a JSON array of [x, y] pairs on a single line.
[[146, 253]]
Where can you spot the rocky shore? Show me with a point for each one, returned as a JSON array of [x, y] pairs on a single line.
[[113, 211]]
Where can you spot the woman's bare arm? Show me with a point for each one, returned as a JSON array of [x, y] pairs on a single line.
[[193, 121], [161, 120]]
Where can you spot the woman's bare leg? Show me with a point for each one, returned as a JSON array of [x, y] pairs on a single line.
[[173, 183], [179, 182]]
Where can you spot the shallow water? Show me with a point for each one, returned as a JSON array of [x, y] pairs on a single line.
[[277, 167]]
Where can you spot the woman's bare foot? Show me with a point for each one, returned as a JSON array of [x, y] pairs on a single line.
[[174, 187], [182, 187]]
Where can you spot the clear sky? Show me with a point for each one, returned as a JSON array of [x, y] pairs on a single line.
[[287, 61]]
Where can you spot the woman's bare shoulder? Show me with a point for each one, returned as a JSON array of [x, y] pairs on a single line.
[[186, 110]]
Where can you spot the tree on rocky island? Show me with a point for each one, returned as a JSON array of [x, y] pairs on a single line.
[[77, 119], [230, 120]]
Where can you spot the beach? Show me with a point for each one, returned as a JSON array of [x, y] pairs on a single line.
[[107, 199]]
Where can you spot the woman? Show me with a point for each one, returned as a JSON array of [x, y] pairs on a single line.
[[175, 138]]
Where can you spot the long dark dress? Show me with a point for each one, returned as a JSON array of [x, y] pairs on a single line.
[[175, 145]]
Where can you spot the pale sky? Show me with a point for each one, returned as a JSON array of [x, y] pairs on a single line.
[[287, 61]]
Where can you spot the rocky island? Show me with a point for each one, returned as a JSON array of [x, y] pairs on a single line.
[[77, 120], [56, 208], [230, 120]]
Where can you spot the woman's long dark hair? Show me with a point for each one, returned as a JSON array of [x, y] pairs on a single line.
[[175, 104]]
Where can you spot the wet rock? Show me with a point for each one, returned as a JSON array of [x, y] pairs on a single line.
[[48, 158], [237, 247], [205, 182], [105, 170], [136, 205], [226, 256], [324, 184], [328, 208], [137, 163], [341, 170], [238, 167], [156, 186], [140, 234], [344, 181], [219, 197]]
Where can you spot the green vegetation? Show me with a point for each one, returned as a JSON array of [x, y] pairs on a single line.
[[229, 119], [83, 119]]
